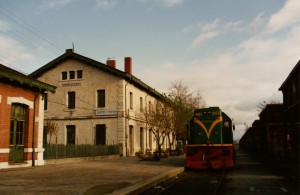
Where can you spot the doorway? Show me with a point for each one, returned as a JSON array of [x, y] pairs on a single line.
[[17, 130]]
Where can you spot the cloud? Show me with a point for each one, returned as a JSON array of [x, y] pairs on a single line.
[[4, 26], [55, 3], [239, 78], [233, 26], [211, 26], [258, 22], [286, 17], [106, 4], [202, 38], [13, 53], [164, 3], [171, 3]]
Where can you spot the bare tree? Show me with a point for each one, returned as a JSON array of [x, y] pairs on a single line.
[[154, 118], [51, 129], [184, 102], [168, 122], [262, 105]]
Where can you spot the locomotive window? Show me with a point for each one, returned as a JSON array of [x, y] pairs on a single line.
[[207, 113], [226, 124]]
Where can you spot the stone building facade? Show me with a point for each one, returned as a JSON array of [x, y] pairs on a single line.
[[96, 103], [21, 119]]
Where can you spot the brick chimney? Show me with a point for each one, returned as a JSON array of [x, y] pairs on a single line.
[[128, 65], [111, 63]]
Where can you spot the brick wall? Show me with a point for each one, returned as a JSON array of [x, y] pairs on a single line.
[[16, 94]]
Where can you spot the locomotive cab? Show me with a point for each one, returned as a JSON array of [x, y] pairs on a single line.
[[210, 140]]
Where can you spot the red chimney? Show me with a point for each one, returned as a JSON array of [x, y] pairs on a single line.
[[111, 63], [128, 65]]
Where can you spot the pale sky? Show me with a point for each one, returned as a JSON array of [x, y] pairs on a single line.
[[235, 53]]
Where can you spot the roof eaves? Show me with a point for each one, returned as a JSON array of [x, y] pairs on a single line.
[[291, 73], [25, 80]]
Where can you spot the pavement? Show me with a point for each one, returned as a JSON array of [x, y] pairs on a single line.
[[123, 175]]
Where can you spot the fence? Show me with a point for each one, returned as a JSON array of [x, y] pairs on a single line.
[[54, 151]]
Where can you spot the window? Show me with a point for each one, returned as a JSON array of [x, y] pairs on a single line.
[[131, 100], [142, 138], [45, 101], [141, 104], [17, 124], [79, 74], [71, 100], [101, 134], [101, 98], [64, 76], [72, 74], [70, 134], [149, 106]]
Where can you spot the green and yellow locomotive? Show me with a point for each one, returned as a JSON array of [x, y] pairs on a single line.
[[210, 140]]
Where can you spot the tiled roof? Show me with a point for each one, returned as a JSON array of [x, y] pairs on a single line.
[[10, 75], [69, 54]]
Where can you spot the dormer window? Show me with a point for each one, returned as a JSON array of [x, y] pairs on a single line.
[[72, 74], [64, 76], [79, 74]]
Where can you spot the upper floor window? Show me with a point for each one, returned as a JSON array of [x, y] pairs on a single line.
[[64, 75], [71, 100], [131, 100], [72, 74], [149, 106], [79, 74], [100, 98], [45, 101], [141, 104]]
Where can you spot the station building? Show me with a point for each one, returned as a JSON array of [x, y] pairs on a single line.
[[291, 100], [96, 103], [21, 119]]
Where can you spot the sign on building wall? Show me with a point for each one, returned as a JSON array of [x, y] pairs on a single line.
[[106, 112]]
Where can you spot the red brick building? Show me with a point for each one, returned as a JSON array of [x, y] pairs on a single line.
[[21, 119]]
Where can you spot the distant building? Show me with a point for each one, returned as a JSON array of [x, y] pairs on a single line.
[[291, 100], [272, 128], [266, 136], [21, 119], [96, 103]]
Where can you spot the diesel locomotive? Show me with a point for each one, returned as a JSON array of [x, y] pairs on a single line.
[[210, 140]]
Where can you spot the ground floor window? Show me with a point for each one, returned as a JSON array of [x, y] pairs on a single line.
[[18, 121], [71, 134], [101, 134]]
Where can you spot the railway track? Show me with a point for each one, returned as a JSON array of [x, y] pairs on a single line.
[[193, 182]]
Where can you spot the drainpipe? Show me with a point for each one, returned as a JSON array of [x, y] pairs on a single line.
[[147, 132], [33, 125], [126, 117]]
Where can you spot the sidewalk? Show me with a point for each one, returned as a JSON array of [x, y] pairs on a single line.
[[111, 176]]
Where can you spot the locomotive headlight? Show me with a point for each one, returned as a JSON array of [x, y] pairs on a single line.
[[226, 124]]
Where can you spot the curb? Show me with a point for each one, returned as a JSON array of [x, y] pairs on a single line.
[[79, 159], [142, 186]]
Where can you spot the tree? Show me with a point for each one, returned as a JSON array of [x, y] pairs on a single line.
[[167, 119], [51, 129], [154, 116], [184, 102], [262, 105]]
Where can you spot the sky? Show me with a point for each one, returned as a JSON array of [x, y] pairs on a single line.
[[235, 53]]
